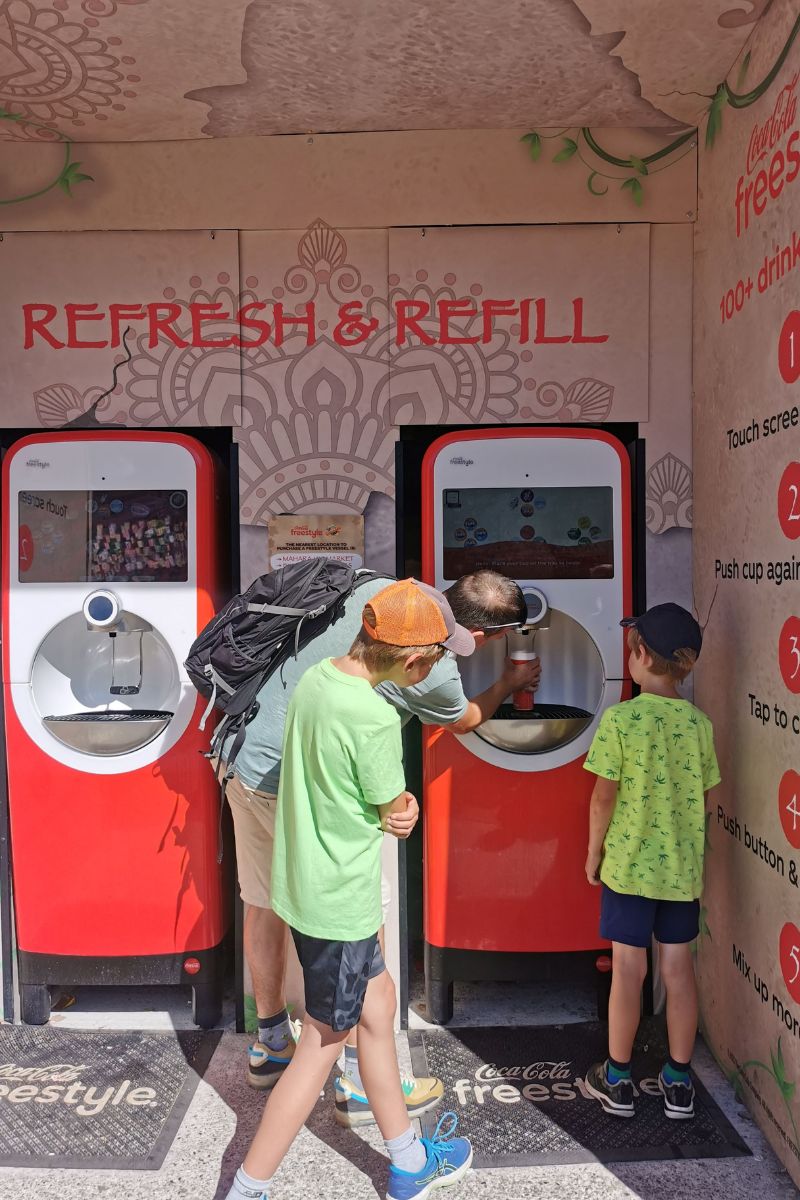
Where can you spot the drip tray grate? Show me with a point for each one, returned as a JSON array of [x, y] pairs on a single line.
[[133, 714], [542, 712]]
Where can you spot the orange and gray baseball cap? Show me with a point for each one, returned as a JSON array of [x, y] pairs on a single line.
[[408, 613]]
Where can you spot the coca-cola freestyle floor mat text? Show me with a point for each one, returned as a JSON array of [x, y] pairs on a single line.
[[95, 1099], [520, 1097]]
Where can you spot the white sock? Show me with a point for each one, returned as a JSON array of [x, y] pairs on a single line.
[[246, 1188], [406, 1151], [351, 1065]]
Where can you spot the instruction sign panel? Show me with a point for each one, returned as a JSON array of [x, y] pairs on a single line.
[[298, 538]]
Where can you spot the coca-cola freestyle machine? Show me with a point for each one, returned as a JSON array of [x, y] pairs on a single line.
[[110, 569], [506, 807]]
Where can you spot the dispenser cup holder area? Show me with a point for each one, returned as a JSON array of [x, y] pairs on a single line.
[[535, 730], [89, 669], [112, 732], [571, 687]]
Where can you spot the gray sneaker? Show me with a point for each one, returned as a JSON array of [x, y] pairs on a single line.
[[616, 1098], [678, 1099]]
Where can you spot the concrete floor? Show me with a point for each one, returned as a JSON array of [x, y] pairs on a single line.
[[336, 1164]]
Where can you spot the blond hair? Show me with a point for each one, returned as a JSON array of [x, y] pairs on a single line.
[[677, 668], [382, 656]]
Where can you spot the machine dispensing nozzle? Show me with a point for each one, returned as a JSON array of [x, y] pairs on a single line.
[[104, 614]]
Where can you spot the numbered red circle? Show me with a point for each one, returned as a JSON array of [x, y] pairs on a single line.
[[789, 348], [789, 654], [790, 959], [789, 501], [789, 807], [25, 549]]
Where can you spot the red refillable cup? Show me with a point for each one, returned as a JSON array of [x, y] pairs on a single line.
[[523, 701]]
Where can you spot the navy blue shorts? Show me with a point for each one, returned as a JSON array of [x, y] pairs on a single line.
[[635, 920]]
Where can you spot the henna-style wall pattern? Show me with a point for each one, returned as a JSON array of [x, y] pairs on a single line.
[[317, 423], [162, 70]]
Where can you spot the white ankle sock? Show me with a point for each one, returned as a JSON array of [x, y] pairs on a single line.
[[406, 1151], [246, 1188], [351, 1065]]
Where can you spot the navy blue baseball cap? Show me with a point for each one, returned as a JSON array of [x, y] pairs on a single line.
[[667, 628]]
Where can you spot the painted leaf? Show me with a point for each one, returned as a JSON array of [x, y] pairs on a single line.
[[715, 115], [635, 188], [570, 147], [639, 165], [535, 146], [742, 71]]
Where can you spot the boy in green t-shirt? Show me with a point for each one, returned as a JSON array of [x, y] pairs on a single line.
[[341, 781], [654, 759]]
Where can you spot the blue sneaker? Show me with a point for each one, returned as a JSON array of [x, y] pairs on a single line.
[[448, 1161]]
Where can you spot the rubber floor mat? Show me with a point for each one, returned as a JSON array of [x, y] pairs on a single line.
[[95, 1099], [519, 1097]]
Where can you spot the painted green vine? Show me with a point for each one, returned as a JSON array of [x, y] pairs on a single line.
[[631, 171], [633, 168], [69, 172], [725, 95], [777, 1072]]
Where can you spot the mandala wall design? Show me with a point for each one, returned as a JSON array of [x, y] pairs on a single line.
[[57, 69], [668, 494], [317, 424]]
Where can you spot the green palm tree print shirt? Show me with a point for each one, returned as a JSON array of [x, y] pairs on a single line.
[[661, 752]]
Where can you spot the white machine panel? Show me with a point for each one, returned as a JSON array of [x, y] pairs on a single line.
[[549, 512], [64, 492]]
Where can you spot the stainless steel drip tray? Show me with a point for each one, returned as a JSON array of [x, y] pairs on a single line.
[[111, 732], [536, 730]]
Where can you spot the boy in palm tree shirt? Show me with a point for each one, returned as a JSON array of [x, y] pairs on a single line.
[[654, 761]]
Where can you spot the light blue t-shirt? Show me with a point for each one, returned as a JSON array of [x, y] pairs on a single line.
[[438, 700]]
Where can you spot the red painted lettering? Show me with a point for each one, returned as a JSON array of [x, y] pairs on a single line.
[[453, 310], [36, 324], [793, 157], [578, 336], [121, 314], [164, 324], [760, 193], [775, 173], [247, 322], [82, 312], [283, 319], [541, 338], [409, 313], [495, 308], [208, 312]]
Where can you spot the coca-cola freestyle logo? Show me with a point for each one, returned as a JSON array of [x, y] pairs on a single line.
[[537, 321], [771, 165], [537, 1082], [61, 1083]]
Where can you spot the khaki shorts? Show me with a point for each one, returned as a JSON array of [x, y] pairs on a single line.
[[254, 828]]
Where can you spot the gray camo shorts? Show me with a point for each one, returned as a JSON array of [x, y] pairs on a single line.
[[336, 975]]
